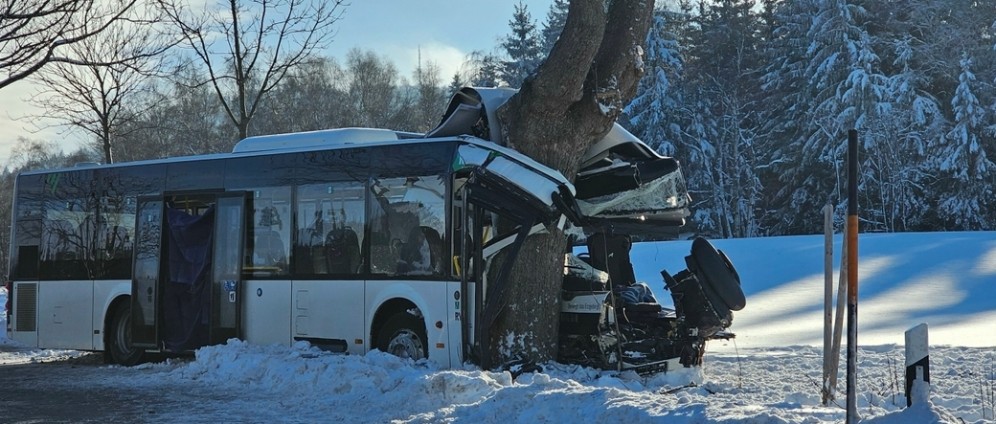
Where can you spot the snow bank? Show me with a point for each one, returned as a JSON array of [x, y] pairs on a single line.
[[771, 385]]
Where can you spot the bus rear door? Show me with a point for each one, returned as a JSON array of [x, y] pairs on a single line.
[[146, 273]]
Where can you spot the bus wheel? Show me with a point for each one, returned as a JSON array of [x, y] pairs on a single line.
[[119, 337], [403, 335]]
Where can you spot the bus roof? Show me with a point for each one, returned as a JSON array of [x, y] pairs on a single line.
[[332, 139], [277, 144]]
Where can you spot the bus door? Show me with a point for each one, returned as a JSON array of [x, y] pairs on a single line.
[[178, 304], [226, 272], [146, 276]]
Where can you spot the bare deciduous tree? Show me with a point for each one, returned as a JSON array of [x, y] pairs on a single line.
[[34, 33], [249, 46], [570, 103], [91, 95]]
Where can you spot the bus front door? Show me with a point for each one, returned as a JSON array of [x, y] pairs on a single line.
[[226, 268]]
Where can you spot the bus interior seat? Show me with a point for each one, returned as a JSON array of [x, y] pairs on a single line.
[[268, 249], [342, 251], [435, 248], [610, 253], [416, 252]]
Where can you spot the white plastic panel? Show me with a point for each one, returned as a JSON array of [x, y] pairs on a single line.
[[329, 310], [65, 314], [267, 312], [455, 319]]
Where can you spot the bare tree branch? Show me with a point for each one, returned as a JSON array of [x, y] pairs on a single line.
[[34, 33], [90, 92], [262, 39]]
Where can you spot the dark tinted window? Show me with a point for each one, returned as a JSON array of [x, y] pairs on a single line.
[[199, 175], [28, 227], [118, 191], [260, 171], [333, 165], [69, 226], [405, 160]]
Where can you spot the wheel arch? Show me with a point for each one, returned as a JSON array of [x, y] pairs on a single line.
[[386, 310]]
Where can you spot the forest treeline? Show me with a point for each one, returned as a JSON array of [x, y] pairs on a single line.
[[753, 97]]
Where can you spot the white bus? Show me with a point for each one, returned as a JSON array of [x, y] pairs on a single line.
[[350, 239]]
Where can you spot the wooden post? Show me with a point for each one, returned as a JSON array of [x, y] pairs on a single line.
[[827, 297], [838, 320], [917, 363], [852, 275]]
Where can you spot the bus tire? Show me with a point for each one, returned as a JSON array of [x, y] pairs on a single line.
[[403, 335], [119, 337], [719, 273]]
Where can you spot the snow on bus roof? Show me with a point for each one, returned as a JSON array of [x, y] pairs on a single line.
[[331, 137]]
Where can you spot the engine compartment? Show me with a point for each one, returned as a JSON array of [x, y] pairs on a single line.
[[608, 321]]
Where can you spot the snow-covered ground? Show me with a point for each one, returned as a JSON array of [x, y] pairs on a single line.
[[770, 375]]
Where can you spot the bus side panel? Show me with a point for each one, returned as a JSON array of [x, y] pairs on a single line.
[[65, 314], [104, 293], [266, 311], [330, 310], [431, 297], [454, 320]]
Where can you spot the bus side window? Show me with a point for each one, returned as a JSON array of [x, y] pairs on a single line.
[[407, 225], [330, 222], [271, 229]]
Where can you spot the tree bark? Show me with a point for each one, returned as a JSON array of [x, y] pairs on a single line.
[[571, 102]]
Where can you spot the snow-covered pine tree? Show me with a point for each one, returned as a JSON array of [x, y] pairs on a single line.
[[723, 128], [899, 174], [785, 116], [485, 69], [848, 91], [962, 160], [554, 25], [522, 48], [455, 85], [652, 115]]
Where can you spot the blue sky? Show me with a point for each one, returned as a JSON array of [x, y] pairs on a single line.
[[444, 31]]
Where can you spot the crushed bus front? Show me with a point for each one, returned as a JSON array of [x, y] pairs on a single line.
[[624, 189]]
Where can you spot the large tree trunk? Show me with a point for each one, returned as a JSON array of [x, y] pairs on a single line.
[[570, 103]]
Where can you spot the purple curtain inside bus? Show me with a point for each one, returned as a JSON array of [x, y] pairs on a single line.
[[186, 300]]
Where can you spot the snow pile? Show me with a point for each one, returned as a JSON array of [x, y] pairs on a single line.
[[379, 387], [771, 385]]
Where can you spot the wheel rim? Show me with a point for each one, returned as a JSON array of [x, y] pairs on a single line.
[[406, 344]]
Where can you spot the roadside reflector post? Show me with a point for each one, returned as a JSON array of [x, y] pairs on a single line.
[[917, 364], [852, 275]]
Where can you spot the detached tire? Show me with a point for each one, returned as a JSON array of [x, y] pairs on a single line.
[[403, 335], [118, 342], [719, 273]]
